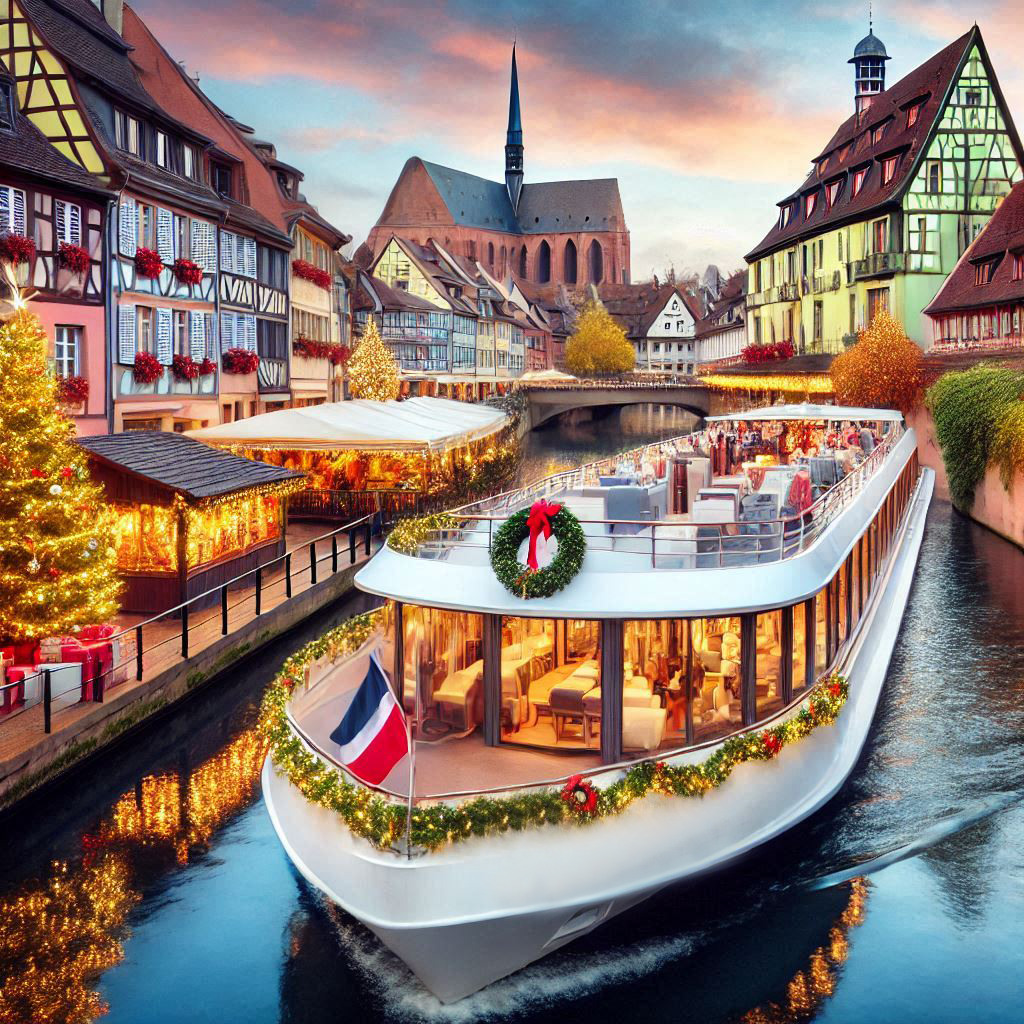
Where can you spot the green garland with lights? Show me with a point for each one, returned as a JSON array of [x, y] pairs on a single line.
[[524, 582], [382, 822], [409, 534]]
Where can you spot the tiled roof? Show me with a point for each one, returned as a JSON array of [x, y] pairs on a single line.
[[544, 207], [392, 299], [636, 306], [1001, 238], [181, 464], [27, 150], [928, 84], [246, 216], [302, 210]]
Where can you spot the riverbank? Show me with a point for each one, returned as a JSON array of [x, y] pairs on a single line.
[[177, 659]]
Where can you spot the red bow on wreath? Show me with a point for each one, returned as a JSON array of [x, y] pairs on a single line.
[[539, 521]]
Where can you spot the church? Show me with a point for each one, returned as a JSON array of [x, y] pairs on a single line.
[[548, 232]]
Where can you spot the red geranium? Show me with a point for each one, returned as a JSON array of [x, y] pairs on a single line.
[[239, 360], [339, 355], [305, 270], [776, 350], [148, 263], [72, 390], [184, 368], [74, 258], [310, 348], [147, 368], [581, 796], [15, 249], [187, 272], [207, 366]]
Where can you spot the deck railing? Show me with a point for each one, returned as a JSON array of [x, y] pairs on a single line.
[[669, 545], [261, 589]]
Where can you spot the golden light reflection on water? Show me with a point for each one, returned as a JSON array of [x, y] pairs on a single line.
[[809, 988], [58, 935]]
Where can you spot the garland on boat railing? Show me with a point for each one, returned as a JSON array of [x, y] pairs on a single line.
[[383, 822]]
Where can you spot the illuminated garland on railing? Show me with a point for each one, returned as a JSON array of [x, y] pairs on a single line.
[[382, 822], [409, 534], [811, 383]]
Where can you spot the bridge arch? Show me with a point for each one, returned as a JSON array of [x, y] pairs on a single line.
[[545, 403]]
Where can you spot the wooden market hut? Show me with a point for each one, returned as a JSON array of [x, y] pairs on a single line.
[[190, 517]]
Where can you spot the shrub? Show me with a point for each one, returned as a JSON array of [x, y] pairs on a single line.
[[1008, 444]]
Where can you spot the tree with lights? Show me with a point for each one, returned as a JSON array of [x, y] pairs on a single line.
[[882, 370], [598, 344], [372, 369], [57, 563]]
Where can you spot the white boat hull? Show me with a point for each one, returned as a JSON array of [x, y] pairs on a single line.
[[476, 911]]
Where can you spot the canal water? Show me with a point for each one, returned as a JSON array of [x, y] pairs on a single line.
[[151, 886]]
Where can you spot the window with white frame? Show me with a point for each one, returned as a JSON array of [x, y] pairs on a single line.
[[67, 219], [128, 133], [144, 340], [12, 210], [67, 350], [182, 339]]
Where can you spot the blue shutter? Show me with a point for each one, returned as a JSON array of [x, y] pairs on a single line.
[[128, 226], [227, 252], [165, 235], [17, 211], [227, 331], [250, 257], [197, 336], [164, 336], [126, 334], [248, 322]]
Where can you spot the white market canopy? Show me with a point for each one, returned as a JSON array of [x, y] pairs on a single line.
[[809, 411], [417, 424]]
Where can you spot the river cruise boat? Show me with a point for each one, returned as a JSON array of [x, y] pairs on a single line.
[[691, 669]]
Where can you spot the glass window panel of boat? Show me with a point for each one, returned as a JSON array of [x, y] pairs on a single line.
[[655, 686], [768, 663], [443, 678], [799, 647], [548, 667], [863, 553], [842, 584], [820, 632], [855, 588], [715, 677]]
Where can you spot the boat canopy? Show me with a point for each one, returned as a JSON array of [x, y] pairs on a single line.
[[417, 424], [809, 411]]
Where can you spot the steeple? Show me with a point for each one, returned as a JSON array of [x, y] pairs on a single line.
[[514, 140], [869, 59]]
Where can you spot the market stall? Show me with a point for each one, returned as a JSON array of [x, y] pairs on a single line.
[[362, 456], [190, 517]]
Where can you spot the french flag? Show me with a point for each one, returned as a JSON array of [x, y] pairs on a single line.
[[372, 735]]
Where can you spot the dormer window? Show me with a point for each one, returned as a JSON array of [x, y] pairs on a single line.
[[889, 165], [163, 150], [1018, 266], [984, 271], [912, 114], [6, 106], [284, 182], [190, 162], [844, 152], [785, 215], [810, 202], [128, 133], [858, 180], [878, 133], [832, 190], [220, 178], [822, 165]]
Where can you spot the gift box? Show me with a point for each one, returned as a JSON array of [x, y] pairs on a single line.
[[50, 648]]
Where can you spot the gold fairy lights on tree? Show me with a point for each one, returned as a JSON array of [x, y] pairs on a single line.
[[373, 370], [598, 344], [882, 370], [57, 563]]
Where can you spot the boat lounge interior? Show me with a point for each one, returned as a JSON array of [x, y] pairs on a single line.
[[496, 701]]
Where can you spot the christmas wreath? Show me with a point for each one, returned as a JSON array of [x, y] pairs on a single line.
[[530, 580], [580, 796]]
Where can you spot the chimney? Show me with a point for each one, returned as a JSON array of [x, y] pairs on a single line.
[[113, 13]]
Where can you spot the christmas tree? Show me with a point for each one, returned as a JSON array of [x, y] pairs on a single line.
[[882, 370], [57, 565], [598, 344], [372, 369]]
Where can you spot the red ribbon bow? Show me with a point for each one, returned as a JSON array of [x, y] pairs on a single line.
[[539, 521]]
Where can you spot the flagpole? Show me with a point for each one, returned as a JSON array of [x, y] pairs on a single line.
[[412, 746]]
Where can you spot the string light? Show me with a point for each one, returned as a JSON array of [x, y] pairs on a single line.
[[372, 369], [882, 370], [798, 383]]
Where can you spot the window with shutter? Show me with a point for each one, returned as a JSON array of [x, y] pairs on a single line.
[[68, 222], [227, 331], [12, 210], [197, 335], [128, 226], [249, 325], [204, 245], [227, 252], [250, 258], [126, 334], [165, 235], [210, 322], [164, 336]]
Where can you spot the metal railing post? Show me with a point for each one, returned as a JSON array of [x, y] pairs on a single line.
[[351, 548], [47, 696], [334, 552], [288, 575], [97, 693], [138, 654], [312, 563], [259, 589], [367, 540], [184, 630], [224, 610]]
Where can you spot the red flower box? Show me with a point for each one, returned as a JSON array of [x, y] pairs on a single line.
[[15, 249], [300, 268], [148, 263], [74, 258], [309, 348], [206, 367], [146, 368], [72, 390], [239, 360], [187, 272], [339, 355], [184, 368], [776, 350]]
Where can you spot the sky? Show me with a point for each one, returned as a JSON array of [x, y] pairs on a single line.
[[707, 113]]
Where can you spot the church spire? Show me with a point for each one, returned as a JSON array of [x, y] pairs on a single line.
[[514, 140]]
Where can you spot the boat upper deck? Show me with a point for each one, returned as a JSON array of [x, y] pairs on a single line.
[[754, 494]]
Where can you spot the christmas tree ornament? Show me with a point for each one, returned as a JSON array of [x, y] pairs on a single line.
[[33, 566], [56, 490]]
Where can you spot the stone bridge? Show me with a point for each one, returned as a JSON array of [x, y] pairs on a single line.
[[546, 401]]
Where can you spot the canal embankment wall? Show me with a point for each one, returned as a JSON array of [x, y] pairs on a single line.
[[993, 507]]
